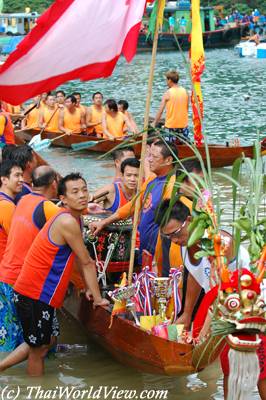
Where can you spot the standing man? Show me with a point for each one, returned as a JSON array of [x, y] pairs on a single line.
[[7, 135], [171, 21], [154, 189], [175, 101], [49, 116], [45, 274], [183, 25], [30, 215], [71, 118], [94, 115], [11, 185]]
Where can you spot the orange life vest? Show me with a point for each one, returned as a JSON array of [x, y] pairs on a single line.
[[115, 125], [72, 121], [177, 108], [51, 119], [96, 116]]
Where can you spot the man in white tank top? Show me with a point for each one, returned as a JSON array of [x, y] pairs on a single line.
[[174, 224]]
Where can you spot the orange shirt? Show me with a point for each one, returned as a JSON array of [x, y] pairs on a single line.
[[32, 212], [177, 108], [32, 119], [51, 119], [72, 121], [7, 209], [115, 125], [96, 116], [7, 135]]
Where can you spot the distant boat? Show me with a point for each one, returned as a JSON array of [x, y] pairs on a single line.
[[250, 49], [213, 37]]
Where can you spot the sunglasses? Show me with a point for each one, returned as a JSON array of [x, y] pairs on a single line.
[[174, 234]]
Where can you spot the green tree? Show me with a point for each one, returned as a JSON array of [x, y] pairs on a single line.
[[20, 5]]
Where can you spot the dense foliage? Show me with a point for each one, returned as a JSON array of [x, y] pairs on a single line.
[[20, 5], [245, 6]]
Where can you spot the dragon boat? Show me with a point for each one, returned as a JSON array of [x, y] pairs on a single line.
[[221, 155]]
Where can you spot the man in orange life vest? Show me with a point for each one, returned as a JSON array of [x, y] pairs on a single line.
[[71, 118], [49, 115], [6, 128], [94, 115], [45, 274], [120, 193], [115, 124], [175, 101], [31, 213]]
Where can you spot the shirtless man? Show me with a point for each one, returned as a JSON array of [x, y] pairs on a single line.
[[94, 115], [119, 193], [115, 124], [71, 118], [123, 107], [49, 116], [39, 294], [175, 100]]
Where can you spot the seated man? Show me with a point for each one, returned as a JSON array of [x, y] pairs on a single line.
[[123, 107], [115, 124], [119, 193], [71, 118]]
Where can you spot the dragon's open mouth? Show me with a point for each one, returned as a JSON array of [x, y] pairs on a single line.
[[242, 344]]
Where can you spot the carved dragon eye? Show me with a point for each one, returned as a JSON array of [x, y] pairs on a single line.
[[232, 302]]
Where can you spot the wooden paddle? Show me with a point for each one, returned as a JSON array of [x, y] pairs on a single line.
[[45, 143], [37, 138], [86, 145]]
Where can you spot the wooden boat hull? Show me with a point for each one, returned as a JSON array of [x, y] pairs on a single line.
[[211, 39], [133, 346], [221, 156]]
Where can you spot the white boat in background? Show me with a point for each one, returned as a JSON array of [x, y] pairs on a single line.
[[250, 49]]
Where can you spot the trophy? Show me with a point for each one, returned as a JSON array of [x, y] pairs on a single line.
[[126, 293], [162, 292]]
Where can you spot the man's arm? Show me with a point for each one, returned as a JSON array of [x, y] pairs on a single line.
[[71, 233], [161, 109], [105, 130], [83, 120]]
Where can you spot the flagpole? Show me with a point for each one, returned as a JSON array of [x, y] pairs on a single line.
[[143, 148]]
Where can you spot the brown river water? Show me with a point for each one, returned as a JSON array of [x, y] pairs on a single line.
[[82, 365]]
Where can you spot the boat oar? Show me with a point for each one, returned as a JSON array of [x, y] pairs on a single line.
[[44, 144], [37, 138], [86, 145]]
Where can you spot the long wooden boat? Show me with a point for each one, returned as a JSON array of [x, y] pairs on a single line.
[[221, 155], [134, 347]]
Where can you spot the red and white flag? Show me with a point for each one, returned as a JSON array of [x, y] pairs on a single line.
[[73, 39]]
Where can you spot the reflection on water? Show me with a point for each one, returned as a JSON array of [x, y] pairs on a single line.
[[226, 82]]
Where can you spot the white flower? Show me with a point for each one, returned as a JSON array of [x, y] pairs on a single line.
[[32, 339], [46, 315], [3, 332]]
